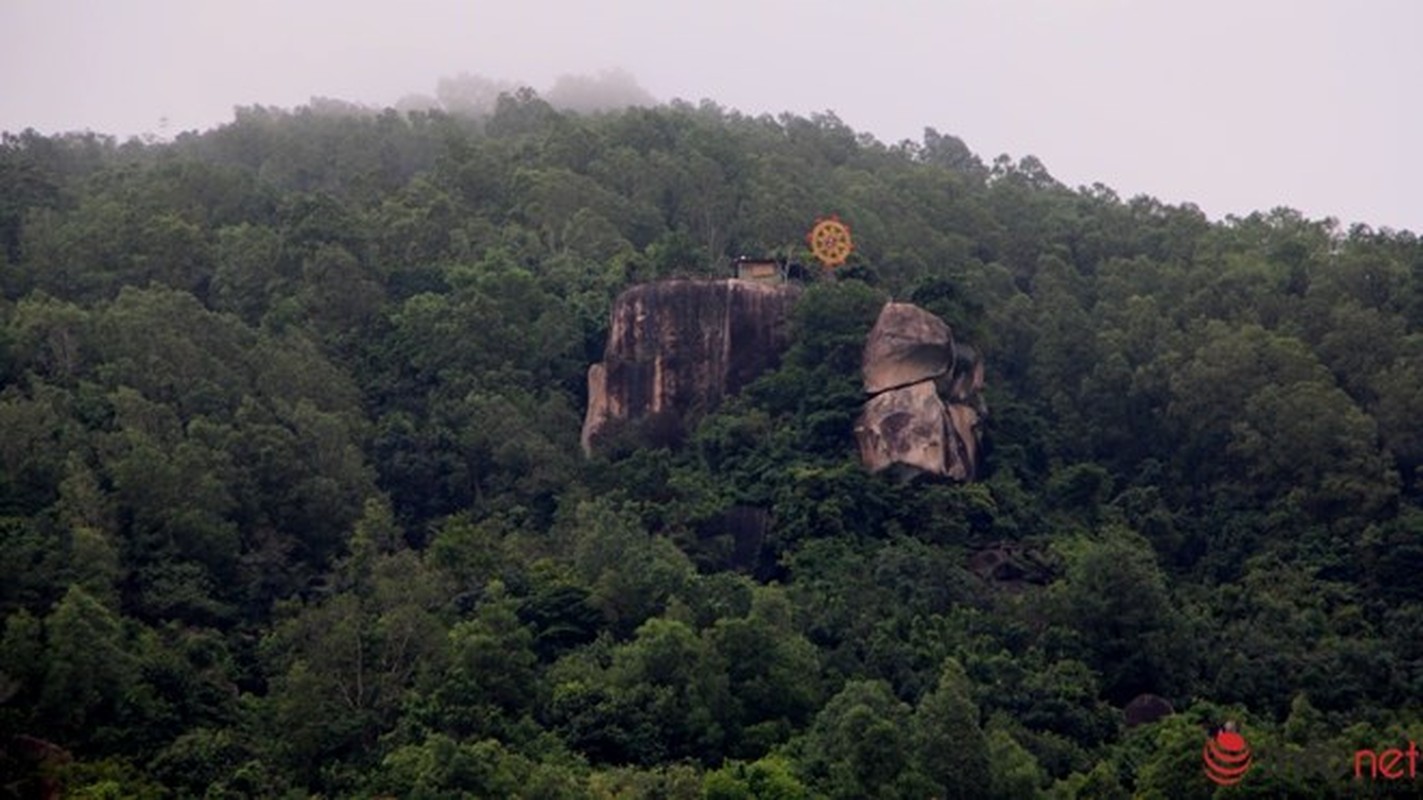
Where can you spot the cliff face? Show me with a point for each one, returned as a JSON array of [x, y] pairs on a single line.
[[926, 397], [676, 348]]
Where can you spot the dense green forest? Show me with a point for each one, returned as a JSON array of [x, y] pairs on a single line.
[[292, 502]]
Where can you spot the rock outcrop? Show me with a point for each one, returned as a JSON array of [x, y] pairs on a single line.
[[926, 403], [1012, 566], [1145, 709], [906, 346], [904, 427], [677, 347]]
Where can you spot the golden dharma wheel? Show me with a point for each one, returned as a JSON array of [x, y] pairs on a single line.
[[830, 241]]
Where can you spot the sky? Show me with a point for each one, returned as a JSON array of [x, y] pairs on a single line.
[[1234, 105]]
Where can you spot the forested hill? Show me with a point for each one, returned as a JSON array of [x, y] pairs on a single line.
[[292, 500]]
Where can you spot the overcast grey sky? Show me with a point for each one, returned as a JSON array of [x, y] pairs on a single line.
[[1235, 105]]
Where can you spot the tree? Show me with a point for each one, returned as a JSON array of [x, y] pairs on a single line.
[[249, 272], [1013, 772], [342, 669], [860, 745], [441, 767], [769, 669], [631, 574], [521, 112], [89, 669], [1311, 441], [489, 681], [1116, 599], [769, 778], [1399, 389], [951, 747], [667, 673]]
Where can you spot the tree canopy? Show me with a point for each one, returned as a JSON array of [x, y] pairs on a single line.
[[292, 501]]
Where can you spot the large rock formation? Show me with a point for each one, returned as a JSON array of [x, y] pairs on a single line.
[[907, 345], [677, 347], [926, 401], [904, 427]]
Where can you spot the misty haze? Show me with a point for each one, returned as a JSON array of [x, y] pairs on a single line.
[[759, 400]]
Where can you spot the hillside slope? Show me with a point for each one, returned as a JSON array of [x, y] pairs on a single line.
[[292, 498]]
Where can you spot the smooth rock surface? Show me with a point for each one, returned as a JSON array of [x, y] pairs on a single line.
[[906, 345], [677, 347], [903, 428], [962, 435], [926, 410]]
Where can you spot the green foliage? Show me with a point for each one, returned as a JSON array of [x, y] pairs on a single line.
[[1175, 767], [768, 778], [860, 745], [489, 680], [441, 768], [89, 666], [951, 746], [1013, 772], [632, 575], [770, 671], [1114, 598], [292, 500]]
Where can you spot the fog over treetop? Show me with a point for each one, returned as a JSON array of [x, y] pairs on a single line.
[[1233, 107]]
